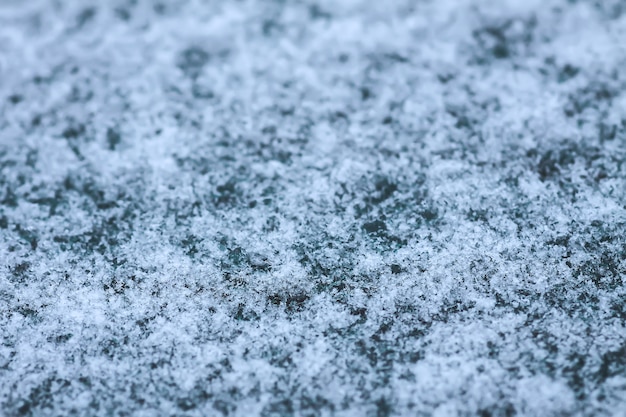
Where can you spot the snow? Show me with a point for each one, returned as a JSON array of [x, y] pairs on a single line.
[[312, 208]]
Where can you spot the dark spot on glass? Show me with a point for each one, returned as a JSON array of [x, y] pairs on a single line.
[[278, 409], [375, 227], [429, 214], [15, 99], [567, 72], [122, 13], [73, 132], [113, 138], [245, 314], [296, 302], [85, 16], [201, 92], [159, 8], [316, 12], [192, 60], [366, 93], [275, 299]]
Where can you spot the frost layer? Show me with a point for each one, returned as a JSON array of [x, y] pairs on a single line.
[[312, 208]]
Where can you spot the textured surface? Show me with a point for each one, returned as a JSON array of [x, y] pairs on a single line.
[[312, 208]]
